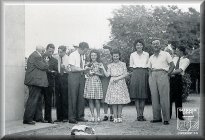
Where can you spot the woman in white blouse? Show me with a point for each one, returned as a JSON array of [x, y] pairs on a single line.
[[139, 79]]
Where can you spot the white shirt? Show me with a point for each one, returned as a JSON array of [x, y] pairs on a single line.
[[74, 59], [183, 63], [65, 60], [139, 61], [161, 61]]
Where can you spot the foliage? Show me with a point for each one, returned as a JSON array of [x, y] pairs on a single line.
[[168, 24], [186, 80]]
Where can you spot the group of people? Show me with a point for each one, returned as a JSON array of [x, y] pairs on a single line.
[[77, 80]]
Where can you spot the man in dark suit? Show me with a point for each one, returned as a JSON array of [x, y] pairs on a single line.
[[51, 73], [35, 79]]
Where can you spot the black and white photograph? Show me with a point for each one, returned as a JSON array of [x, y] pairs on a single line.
[[112, 68]]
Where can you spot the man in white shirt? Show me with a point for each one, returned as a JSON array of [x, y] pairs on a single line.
[[181, 63], [161, 66], [61, 85], [76, 82]]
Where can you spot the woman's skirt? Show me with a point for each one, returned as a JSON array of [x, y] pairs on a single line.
[[93, 88], [139, 84]]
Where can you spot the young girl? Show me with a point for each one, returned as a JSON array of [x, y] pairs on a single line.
[[93, 86], [117, 92]]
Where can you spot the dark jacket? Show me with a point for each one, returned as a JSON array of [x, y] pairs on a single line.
[[36, 71], [52, 70]]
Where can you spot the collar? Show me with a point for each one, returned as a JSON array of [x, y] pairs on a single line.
[[160, 52], [143, 53]]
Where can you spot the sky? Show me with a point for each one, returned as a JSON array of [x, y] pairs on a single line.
[[70, 24]]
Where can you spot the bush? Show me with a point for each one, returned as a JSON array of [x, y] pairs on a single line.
[[186, 80]]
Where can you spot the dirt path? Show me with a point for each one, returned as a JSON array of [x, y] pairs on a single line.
[[128, 127]]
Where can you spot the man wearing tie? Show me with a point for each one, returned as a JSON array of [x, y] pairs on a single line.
[[61, 88], [181, 63], [49, 91], [76, 80]]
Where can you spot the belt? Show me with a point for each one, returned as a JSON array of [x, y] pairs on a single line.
[[158, 70], [139, 68]]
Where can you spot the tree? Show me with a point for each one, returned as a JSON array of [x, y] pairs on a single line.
[[165, 23]]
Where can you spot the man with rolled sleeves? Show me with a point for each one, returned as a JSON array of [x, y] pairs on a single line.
[[76, 80], [161, 66], [36, 80]]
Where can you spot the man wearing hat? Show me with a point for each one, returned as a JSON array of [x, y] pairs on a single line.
[[161, 66], [76, 80], [61, 87]]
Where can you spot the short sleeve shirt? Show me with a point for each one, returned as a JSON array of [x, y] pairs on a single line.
[[161, 61], [139, 61]]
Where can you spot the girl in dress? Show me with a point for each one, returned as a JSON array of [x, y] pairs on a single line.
[[93, 86], [117, 92]]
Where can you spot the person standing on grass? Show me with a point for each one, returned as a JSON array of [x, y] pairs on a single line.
[[93, 86], [161, 66], [176, 90], [117, 92], [139, 78]]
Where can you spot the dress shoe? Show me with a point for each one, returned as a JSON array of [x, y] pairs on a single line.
[[166, 122], [65, 120], [29, 122], [82, 120], [141, 118], [49, 121], [155, 121], [105, 118], [42, 121], [58, 121], [73, 121], [181, 118]]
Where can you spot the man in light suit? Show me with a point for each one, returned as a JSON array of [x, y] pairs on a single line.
[[35, 79]]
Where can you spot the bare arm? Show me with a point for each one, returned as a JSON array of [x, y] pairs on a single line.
[[77, 69], [171, 68], [105, 72]]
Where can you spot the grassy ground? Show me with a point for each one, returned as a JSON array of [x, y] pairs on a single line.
[[128, 127]]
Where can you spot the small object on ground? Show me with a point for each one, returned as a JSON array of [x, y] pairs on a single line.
[[82, 130]]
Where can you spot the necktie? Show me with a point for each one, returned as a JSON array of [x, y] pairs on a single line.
[[177, 65], [81, 62], [61, 69]]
